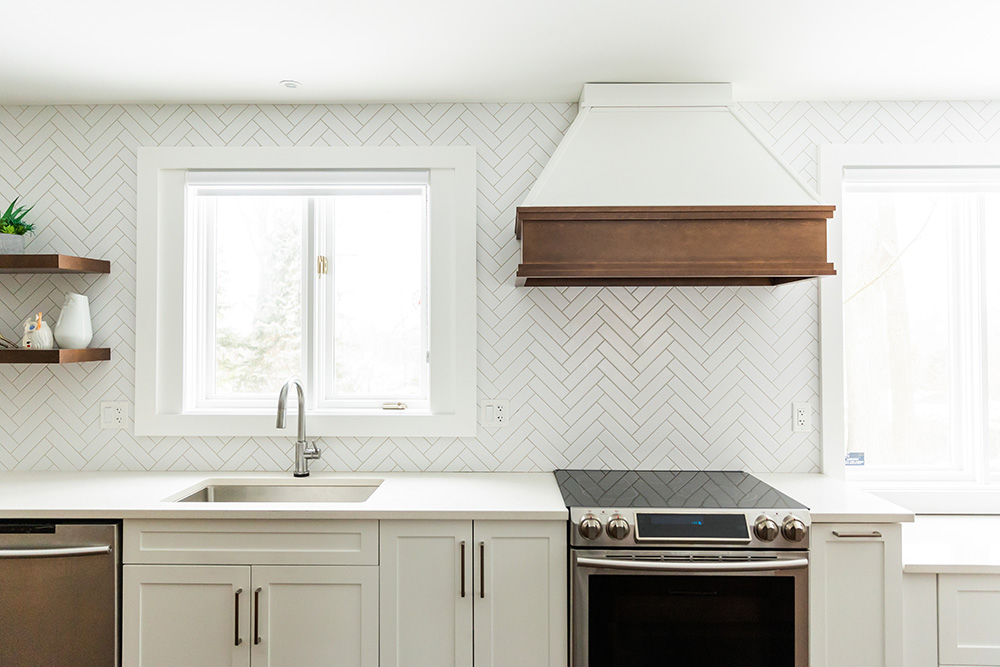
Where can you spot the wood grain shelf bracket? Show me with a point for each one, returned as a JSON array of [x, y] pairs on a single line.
[[19, 356], [52, 264]]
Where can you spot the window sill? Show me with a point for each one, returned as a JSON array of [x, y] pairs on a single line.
[[394, 424]]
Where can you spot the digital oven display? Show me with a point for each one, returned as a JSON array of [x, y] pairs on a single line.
[[730, 527]]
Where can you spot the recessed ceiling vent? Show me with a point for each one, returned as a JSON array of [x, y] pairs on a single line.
[[663, 184]]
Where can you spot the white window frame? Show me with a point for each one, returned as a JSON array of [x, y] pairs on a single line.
[[160, 289], [922, 495]]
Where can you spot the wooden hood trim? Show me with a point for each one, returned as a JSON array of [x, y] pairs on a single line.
[[671, 245]]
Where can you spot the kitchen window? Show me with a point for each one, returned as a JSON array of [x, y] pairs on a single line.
[[320, 275], [919, 296], [353, 269]]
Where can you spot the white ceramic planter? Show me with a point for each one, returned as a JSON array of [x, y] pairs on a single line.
[[73, 330], [11, 244]]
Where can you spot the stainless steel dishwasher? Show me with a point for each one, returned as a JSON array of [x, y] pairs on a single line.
[[58, 594]]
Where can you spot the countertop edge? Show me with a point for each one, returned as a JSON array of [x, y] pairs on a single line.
[[855, 517], [241, 514]]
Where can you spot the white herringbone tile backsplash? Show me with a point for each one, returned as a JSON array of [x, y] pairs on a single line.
[[637, 378]]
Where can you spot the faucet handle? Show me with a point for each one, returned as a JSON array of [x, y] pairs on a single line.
[[312, 451]]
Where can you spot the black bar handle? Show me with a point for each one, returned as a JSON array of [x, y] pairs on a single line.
[[463, 567], [482, 569], [237, 640], [256, 616]]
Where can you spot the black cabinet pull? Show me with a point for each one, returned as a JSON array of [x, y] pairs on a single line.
[[256, 616], [463, 567], [482, 569], [237, 640]]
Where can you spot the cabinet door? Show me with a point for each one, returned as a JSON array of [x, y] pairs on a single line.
[[520, 593], [968, 609], [856, 588], [425, 604], [315, 616], [191, 615]]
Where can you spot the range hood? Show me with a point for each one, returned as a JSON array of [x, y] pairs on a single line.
[[664, 184]]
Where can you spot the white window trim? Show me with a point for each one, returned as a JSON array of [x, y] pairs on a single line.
[[160, 292], [833, 160]]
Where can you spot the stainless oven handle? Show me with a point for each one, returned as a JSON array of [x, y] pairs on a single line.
[[686, 566], [52, 552]]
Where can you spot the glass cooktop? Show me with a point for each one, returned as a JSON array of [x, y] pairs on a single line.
[[668, 489]]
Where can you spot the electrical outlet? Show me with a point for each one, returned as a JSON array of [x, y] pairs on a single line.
[[114, 414], [801, 417], [495, 414]]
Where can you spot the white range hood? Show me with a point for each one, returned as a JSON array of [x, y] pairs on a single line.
[[664, 184], [664, 144]]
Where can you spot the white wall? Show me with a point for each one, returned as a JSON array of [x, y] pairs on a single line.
[[647, 377]]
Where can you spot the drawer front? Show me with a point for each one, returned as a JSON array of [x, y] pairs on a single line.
[[246, 542], [968, 609]]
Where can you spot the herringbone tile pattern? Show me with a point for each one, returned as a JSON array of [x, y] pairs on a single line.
[[621, 378]]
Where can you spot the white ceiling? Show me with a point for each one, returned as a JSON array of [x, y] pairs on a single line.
[[98, 51]]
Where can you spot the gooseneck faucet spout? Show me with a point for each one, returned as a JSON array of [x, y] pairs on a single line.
[[305, 451]]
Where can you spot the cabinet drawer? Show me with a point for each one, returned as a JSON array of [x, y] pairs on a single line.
[[968, 608], [246, 542]]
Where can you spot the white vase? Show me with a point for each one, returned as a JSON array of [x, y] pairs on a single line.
[[73, 330]]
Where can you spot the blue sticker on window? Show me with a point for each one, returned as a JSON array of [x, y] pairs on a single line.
[[854, 459]]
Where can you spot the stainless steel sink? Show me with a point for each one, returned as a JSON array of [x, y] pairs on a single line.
[[335, 491]]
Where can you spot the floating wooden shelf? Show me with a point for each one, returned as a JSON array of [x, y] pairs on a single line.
[[52, 264], [8, 356]]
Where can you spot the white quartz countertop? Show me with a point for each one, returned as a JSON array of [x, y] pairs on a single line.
[[124, 495], [831, 500], [952, 545], [130, 495]]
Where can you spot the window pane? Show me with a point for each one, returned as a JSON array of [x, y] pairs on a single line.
[[991, 270], [378, 345], [896, 328], [258, 293]]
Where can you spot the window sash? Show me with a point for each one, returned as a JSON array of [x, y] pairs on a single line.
[[318, 306], [966, 221]]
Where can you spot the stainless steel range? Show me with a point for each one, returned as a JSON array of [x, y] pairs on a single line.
[[692, 568]]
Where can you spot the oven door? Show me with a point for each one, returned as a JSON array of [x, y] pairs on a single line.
[[689, 609]]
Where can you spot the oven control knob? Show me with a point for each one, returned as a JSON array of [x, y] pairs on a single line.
[[793, 529], [590, 527], [765, 529], [617, 527]]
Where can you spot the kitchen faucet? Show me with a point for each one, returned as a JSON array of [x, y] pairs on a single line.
[[304, 450]]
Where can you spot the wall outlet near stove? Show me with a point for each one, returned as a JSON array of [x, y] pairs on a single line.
[[801, 417], [114, 414], [495, 413]]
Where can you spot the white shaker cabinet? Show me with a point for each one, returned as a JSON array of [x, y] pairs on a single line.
[[968, 609], [855, 589], [454, 593], [185, 615], [314, 616], [221, 593], [425, 572], [264, 616]]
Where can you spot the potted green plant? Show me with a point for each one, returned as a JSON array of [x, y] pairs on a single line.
[[13, 228]]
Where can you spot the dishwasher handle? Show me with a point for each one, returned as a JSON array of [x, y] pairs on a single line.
[[53, 552]]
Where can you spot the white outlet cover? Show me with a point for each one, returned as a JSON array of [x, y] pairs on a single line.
[[494, 414], [801, 417], [114, 414]]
